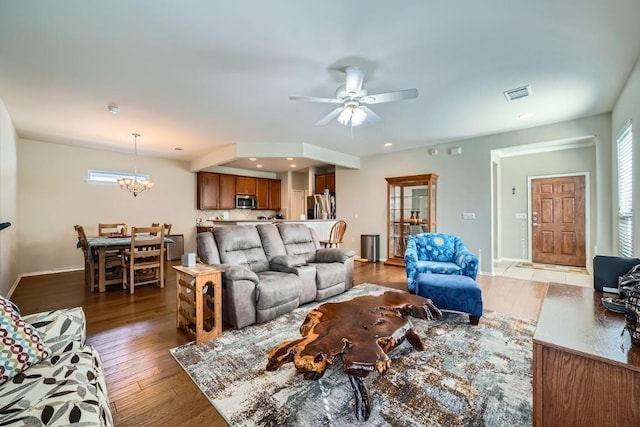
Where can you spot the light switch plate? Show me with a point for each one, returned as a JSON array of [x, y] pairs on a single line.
[[468, 215], [521, 215]]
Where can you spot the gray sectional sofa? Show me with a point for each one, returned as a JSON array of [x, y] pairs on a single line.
[[270, 269]]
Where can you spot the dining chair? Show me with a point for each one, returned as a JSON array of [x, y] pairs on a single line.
[[112, 263], [335, 235], [107, 229], [143, 262], [167, 231]]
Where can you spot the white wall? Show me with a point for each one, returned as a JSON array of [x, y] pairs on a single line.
[[53, 196], [8, 202], [464, 185], [627, 108], [514, 172]]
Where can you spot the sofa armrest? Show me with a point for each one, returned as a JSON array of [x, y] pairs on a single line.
[[239, 272], [411, 263], [468, 261], [289, 260], [334, 255], [60, 330]]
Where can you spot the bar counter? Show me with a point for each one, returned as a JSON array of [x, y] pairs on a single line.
[[321, 226]]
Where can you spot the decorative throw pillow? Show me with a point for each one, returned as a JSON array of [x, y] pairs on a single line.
[[20, 344]]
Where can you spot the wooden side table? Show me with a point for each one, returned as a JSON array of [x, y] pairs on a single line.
[[199, 301]]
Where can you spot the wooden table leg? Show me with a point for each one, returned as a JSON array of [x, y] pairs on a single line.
[[363, 404], [102, 255]]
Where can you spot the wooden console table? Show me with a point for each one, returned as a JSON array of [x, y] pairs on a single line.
[[584, 372], [199, 301]]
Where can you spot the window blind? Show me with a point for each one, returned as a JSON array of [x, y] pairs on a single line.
[[625, 191]]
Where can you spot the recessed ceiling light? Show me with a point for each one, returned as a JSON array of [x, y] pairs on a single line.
[[258, 166], [388, 144], [113, 109], [253, 159], [293, 166], [178, 148], [525, 116]]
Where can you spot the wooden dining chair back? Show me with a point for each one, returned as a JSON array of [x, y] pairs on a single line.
[[335, 235], [112, 263], [89, 265], [167, 228], [107, 229], [143, 262]]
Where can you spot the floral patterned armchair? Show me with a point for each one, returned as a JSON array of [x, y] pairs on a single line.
[[437, 253]]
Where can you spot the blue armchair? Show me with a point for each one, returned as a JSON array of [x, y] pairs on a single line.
[[437, 253]]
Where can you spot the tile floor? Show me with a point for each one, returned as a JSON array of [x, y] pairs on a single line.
[[509, 269]]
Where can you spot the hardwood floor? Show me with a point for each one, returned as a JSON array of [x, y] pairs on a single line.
[[133, 334]]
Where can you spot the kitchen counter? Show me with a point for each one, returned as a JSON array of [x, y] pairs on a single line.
[[321, 226]]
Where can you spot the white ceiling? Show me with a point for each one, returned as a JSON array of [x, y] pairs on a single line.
[[198, 74]]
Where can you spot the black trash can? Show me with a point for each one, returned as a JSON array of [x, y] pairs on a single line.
[[370, 247]]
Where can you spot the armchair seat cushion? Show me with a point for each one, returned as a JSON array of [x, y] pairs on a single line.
[[437, 267]]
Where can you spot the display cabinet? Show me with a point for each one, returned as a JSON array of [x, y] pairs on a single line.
[[411, 209]]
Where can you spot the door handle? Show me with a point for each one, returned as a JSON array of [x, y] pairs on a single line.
[[535, 224]]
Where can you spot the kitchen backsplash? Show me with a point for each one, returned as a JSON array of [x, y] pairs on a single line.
[[234, 214]]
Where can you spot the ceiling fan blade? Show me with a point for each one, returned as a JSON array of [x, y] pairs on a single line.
[[355, 76], [389, 96], [315, 99], [329, 117], [371, 116]]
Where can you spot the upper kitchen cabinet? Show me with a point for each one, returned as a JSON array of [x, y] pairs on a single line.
[[325, 181], [207, 185], [227, 198], [274, 194], [262, 193], [246, 185], [268, 193]]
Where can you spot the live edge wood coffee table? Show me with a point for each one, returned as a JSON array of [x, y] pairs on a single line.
[[360, 332]]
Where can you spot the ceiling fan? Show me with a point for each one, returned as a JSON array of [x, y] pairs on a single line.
[[354, 100]]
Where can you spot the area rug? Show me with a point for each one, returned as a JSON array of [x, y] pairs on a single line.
[[468, 376], [551, 267]]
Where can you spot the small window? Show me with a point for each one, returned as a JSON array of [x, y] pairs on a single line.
[[110, 177], [625, 191]]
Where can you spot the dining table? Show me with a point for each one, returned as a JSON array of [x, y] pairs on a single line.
[[100, 245]]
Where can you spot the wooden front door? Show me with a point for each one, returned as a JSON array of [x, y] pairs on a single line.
[[558, 220]]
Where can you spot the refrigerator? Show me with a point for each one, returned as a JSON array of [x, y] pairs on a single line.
[[319, 203]]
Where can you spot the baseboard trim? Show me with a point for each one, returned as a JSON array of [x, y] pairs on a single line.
[[14, 286], [42, 273]]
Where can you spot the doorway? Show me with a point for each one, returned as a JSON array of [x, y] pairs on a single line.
[[558, 221], [298, 204]]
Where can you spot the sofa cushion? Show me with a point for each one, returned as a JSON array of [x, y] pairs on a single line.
[[276, 288], [66, 389], [241, 245], [290, 260], [60, 330], [22, 346], [328, 275], [298, 240], [207, 248], [271, 241]]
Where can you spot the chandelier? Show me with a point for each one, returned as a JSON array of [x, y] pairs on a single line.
[[134, 185]]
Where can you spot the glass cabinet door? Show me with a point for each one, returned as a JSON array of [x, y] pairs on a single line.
[[411, 210]]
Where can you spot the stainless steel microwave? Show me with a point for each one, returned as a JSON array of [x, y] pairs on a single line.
[[245, 202]]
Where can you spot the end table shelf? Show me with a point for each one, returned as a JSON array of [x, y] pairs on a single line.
[[199, 301]]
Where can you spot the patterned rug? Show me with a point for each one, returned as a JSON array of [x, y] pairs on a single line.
[[468, 376], [551, 267]]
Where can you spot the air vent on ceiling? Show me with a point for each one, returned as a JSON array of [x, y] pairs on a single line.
[[517, 93]]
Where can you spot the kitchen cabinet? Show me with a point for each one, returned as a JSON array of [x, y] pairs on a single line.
[[227, 197], [325, 181], [262, 193], [207, 189], [411, 209], [246, 185], [274, 194]]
